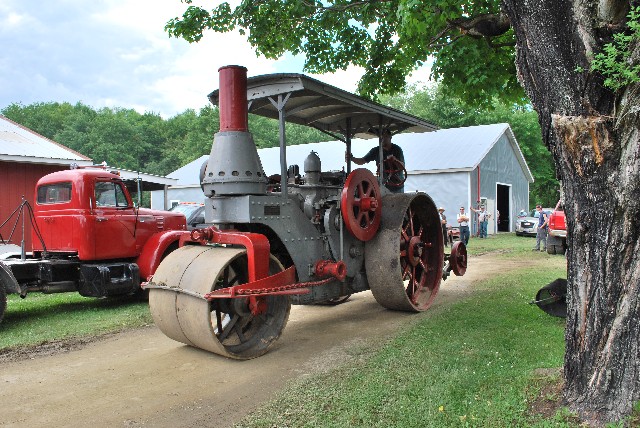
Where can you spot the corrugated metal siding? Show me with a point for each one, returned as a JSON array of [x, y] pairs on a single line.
[[448, 190], [17, 180], [18, 141]]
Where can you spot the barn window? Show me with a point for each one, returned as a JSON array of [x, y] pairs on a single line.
[[54, 193]]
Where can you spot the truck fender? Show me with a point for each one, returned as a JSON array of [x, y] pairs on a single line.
[[8, 280], [155, 249]]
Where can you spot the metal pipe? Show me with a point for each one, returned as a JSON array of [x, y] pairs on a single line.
[[348, 142], [23, 253], [283, 147], [380, 154], [233, 98], [139, 190]]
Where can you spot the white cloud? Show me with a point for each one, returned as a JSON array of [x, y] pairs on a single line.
[[115, 53]]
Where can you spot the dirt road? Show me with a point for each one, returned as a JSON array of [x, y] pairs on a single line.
[[142, 378]]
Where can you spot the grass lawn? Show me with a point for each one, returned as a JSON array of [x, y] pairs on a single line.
[[479, 362], [41, 318]]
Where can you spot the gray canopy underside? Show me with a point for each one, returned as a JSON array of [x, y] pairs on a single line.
[[329, 109]]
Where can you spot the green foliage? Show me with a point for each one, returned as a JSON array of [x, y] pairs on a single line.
[[146, 142], [388, 39], [616, 63]]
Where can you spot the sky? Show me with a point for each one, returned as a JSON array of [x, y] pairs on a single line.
[[115, 53]]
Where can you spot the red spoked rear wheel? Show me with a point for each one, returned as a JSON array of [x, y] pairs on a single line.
[[405, 260], [419, 259]]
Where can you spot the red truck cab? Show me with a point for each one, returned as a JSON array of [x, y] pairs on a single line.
[[557, 239], [89, 213], [90, 238]]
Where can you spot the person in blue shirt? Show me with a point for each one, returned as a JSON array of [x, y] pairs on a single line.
[[392, 154], [543, 229]]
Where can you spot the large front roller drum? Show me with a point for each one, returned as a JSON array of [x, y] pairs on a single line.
[[404, 261], [223, 326]]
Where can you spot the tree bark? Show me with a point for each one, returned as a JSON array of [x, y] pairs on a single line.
[[594, 135]]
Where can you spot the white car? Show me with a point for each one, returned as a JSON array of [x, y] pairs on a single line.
[[528, 225]]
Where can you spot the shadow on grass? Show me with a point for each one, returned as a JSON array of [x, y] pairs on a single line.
[[29, 317]]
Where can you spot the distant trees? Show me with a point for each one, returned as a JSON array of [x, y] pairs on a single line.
[[147, 142], [141, 142]]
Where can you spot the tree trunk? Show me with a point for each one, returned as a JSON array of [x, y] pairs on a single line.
[[594, 137]]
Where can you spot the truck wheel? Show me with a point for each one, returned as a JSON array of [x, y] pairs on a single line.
[[551, 249], [3, 301]]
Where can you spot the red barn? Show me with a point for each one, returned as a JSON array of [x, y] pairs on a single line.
[[25, 157]]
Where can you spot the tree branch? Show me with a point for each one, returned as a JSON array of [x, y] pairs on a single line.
[[486, 25], [442, 45]]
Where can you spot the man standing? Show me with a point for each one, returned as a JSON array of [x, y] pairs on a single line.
[[393, 156], [463, 222], [483, 220], [543, 228], [443, 222]]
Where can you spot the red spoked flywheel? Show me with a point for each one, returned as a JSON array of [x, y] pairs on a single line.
[[361, 204]]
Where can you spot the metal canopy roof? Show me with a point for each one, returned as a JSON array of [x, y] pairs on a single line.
[[316, 104]]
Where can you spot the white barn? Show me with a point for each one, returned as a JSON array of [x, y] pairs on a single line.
[[457, 167]]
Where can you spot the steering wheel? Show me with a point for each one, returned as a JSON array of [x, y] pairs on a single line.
[[393, 166]]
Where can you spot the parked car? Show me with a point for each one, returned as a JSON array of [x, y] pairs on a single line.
[[453, 233], [557, 239], [528, 226], [193, 211]]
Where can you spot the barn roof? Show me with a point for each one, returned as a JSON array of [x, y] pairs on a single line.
[[460, 149], [20, 144], [445, 150]]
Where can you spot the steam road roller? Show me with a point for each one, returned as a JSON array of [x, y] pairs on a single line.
[[298, 237]]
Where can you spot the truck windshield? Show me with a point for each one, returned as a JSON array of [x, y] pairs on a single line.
[[54, 193], [110, 194], [186, 209]]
